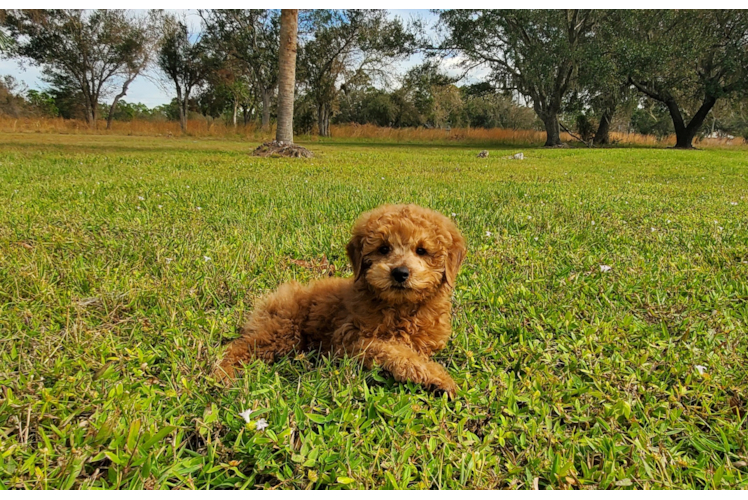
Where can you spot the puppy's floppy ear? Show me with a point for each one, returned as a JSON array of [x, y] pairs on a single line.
[[355, 250], [455, 256]]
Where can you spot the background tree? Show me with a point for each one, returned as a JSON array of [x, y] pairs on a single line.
[[684, 59], [140, 38], [486, 107], [534, 52], [248, 39], [185, 63], [345, 48], [12, 102], [424, 84], [5, 39], [80, 52], [603, 88]]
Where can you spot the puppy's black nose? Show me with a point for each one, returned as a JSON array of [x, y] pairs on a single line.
[[400, 274]]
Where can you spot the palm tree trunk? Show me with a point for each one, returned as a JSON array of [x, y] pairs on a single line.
[[287, 74]]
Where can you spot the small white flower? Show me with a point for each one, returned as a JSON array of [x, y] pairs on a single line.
[[454, 214], [536, 238], [188, 187], [604, 268], [199, 208], [245, 415], [716, 222], [141, 198], [733, 203], [528, 217], [160, 206], [701, 369], [80, 192], [720, 228], [652, 229], [382, 178], [488, 233], [668, 221], [593, 222], [261, 424], [206, 258]]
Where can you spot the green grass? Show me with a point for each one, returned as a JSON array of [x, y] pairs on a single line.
[[127, 263]]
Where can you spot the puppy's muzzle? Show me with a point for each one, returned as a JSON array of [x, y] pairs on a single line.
[[400, 274]]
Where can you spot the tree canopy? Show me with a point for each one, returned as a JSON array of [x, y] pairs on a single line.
[[685, 59], [82, 51]]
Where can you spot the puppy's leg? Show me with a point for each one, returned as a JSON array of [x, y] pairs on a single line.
[[406, 364], [273, 330]]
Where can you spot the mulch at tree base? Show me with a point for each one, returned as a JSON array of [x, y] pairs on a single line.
[[282, 150]]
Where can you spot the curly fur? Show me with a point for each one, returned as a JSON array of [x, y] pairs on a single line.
[[371, 315]]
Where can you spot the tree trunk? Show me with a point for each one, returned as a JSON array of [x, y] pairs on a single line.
[[266, 95], [552, 129], [183, 116], [323, 120], [286, 74], [684, 134], [602, 136], [236, 108], [91, 115], [113, 108], [94, 117], [182, 120], [183, 112]]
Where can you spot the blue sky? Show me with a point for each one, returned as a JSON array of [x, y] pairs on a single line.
[[148, 92]]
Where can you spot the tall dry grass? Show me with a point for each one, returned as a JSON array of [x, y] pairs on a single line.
[[498, 135], [218, 129], [195, 128], [354, 131]]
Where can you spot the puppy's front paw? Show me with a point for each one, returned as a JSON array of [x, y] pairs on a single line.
[[443, 386]]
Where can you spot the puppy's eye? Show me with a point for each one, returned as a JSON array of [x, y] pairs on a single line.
[[384, 250], [421, 251]]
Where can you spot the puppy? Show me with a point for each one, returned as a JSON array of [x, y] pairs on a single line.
[[394, 312]]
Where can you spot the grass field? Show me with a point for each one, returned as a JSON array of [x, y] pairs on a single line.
[[126, 263]]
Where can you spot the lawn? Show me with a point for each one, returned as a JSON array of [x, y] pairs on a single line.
[[127, 263]]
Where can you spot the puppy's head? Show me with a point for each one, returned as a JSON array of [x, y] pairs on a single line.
[[405, 253]]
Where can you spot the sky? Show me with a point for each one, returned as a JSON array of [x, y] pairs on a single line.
[[148, 92]]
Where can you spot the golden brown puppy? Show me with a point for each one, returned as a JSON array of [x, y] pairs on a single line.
[[395, 311]]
